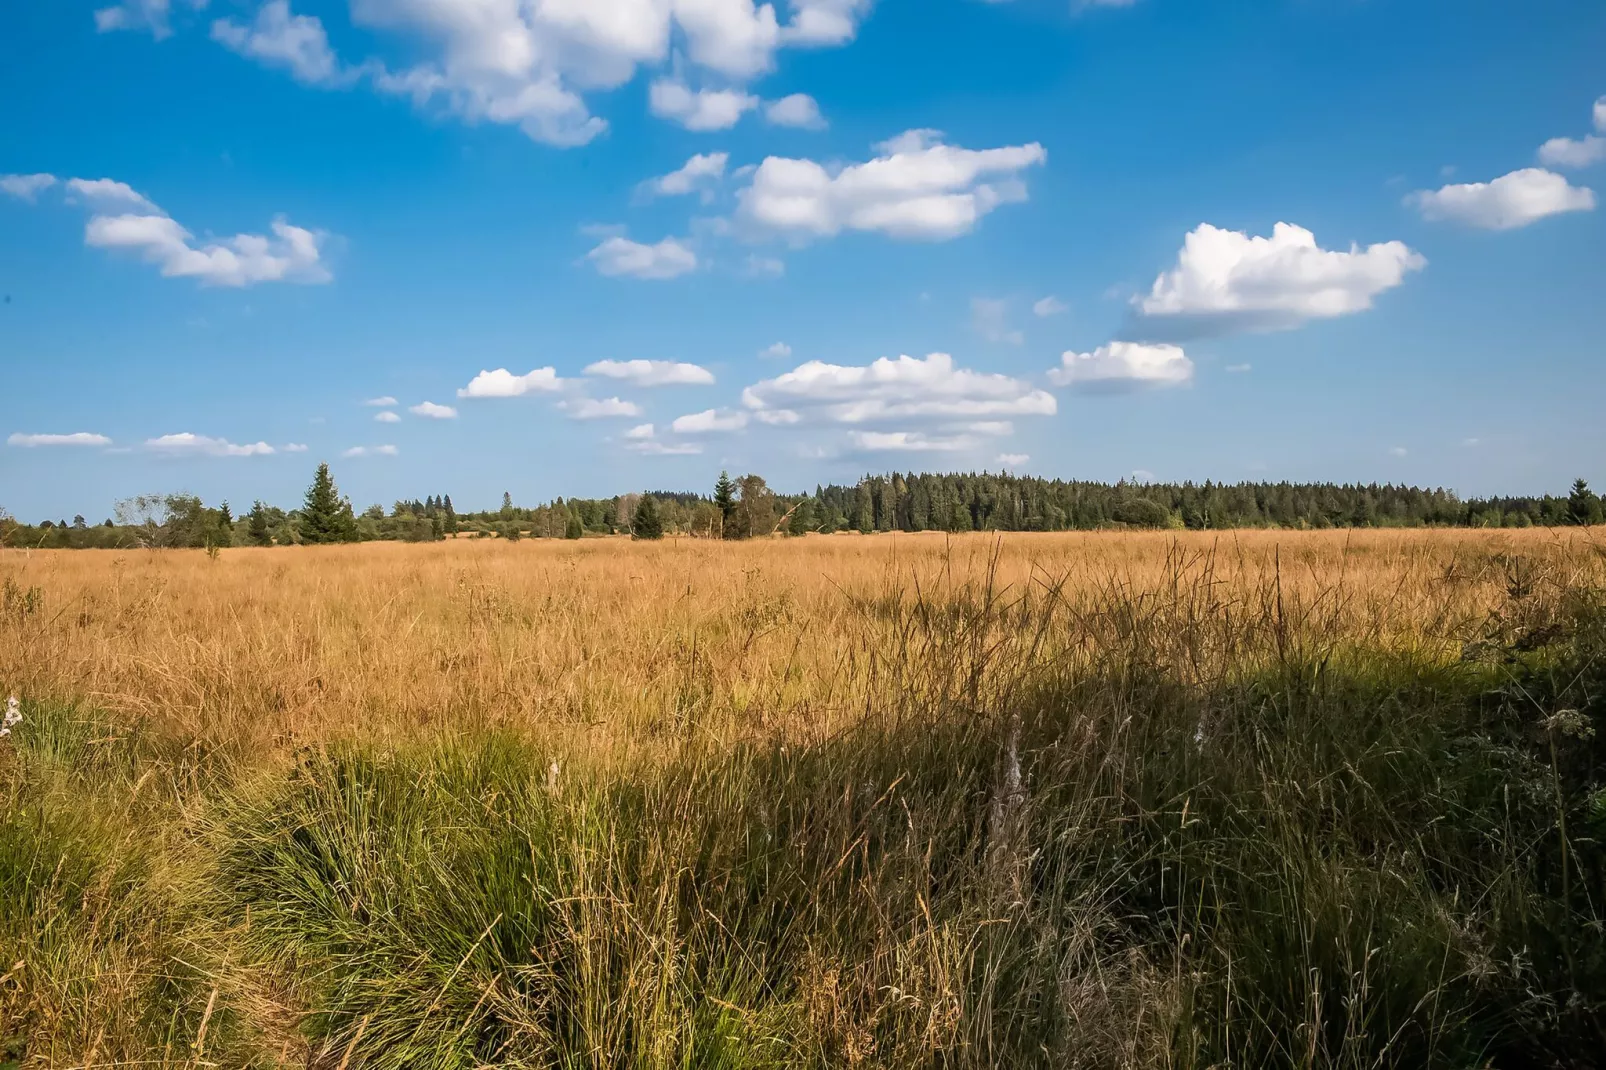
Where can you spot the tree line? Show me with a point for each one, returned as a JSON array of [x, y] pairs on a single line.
[[746, 507]]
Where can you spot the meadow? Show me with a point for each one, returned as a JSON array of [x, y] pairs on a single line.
[[1115, 799]]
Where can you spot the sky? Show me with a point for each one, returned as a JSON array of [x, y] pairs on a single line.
[[587, 247]]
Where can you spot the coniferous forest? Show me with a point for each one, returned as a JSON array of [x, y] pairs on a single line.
[[745, 507]]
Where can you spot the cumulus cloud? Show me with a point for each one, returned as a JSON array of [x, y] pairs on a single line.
[[387, 418], [640, 431], [77, 438], [917, 188], [295, 447], [1049, 306], [702, 109], [504, 384], [530, 64], [652, 372], [709, 421], [905, 388], [381, 403], [778, 351], [371, 451], [276, 38], [1013, 460], [599, 409], [990, 318], [1123, 365], [109, 193], [292, 254], [1581, 152], [618, 256], [1510, 201], [432, 411], [1226, 280], [700, 174], [26, 187], [799, 110], [185, 444]]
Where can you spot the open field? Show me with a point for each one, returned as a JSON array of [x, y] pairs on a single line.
[[1234, 799]]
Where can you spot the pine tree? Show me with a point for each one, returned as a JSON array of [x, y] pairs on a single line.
[[325, 515], [646, 523], [451, 515], [258, 531], [507, 505]]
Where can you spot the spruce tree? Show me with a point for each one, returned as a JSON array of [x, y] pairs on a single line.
[[574, 529], [258, 531], [646, 523], [326, 516], [725, 499], [1583, 505], [451, 516]]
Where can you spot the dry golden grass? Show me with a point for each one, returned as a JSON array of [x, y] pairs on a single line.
[[284, 645]]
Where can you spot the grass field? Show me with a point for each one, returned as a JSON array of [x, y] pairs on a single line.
[[1243, 799]]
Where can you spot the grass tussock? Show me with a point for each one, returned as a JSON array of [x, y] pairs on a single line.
[[1059, 802]]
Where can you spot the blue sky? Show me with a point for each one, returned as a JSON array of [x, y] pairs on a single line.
[[1297, 239]]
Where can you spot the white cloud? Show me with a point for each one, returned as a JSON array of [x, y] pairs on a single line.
[[918, 188], [711, 420], [1143, 475], [77, 438], [293, 254], [1123, 365], [107, 192], [1510, 201], [654, 448], [1583, 152], [652, 372], [909, 442], [764, 267], [186, 444], [1013, 460], [990, 319], [371, 451], [151, 15], [1226, 280], [778, 417], [778, 351], [26, 187], [906, 388], [432, 411], [1570, 152], [598, 409], [668, 259], [700, 174], [504, 384], [277, 38], [1398, 451], [295, 447], [381, 403], [701, 110], [1049, 306], [387, 418], [528, 63], [640, 431], [799, 110]]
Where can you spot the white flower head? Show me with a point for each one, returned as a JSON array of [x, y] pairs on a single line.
[[12, 718]]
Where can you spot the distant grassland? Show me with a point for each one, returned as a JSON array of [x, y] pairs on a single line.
[[1129, 800]]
